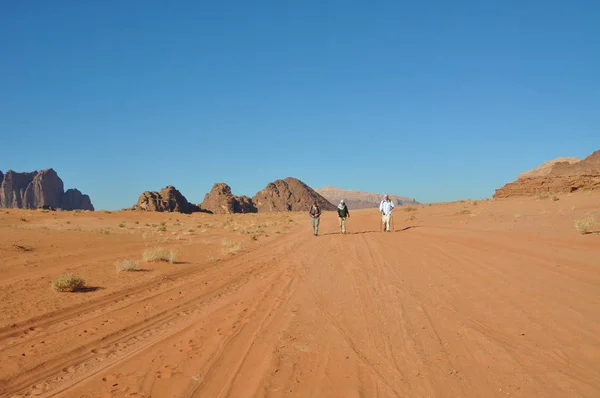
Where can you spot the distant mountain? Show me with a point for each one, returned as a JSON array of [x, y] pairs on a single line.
[[40, 189], [360, 199]]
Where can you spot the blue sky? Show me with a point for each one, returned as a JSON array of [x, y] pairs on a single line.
[[436, 100]]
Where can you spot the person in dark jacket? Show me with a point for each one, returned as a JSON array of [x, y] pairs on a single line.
[[315, 214], [343, 213]]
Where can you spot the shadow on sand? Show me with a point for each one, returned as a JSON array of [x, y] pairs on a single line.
[[370, 232]]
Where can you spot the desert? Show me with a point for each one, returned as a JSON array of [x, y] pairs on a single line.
[[491, 298], [309, 199]]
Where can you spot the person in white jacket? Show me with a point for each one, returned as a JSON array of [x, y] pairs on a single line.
[[385, 207]]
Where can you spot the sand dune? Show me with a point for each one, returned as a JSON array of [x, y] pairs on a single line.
[[467, 299]]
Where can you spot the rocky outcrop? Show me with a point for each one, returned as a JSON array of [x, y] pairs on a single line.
[[360, 199], [561, 175], [289, 194], [40, 189], [220, 200], [73, 199], [168, 199]]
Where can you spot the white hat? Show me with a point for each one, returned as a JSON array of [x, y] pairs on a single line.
[[341, 200]]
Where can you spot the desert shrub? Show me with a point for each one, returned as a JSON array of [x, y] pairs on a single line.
[[159, 254], [23, 248], [231, 247], [586, 224], [68, 283], [24, 219], [544, 195], [555, 198], [410, 208], [127, 265]]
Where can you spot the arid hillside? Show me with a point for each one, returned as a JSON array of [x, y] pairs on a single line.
[[487, 298]]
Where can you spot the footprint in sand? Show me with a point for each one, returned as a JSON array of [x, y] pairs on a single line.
[[166, 373], [70, 369]]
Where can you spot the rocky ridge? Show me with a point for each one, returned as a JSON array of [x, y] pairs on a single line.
[[560, 175]]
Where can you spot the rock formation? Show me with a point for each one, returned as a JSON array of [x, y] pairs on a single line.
[[557, 176], [289, 194], [220, 200], [360, 199], [73, 199], [168, 199], [39, 189]]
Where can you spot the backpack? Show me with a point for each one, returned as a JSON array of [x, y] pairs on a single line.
[[342, 212]]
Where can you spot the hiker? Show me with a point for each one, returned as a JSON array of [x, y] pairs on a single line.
[[343, 212], [386, 206], [315, 214]]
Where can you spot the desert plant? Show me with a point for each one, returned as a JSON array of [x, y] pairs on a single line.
[[465, 211], [410, 208], [23, 248], [127, 265], [68, 283], [555, 198], [231, 247], [586, 224], [544, 195], [159, 254], [24, 219]]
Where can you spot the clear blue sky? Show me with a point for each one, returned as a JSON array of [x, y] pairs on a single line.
[[437, 100]]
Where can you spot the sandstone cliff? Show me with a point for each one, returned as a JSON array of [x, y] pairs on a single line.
[[39, 189], [289, 194], [220, 200], [557, 176]]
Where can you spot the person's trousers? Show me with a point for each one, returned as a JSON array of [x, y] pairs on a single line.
[[385, 219], [315, 225], [343, 224]]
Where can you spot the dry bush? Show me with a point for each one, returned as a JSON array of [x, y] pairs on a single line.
[[410, 208], [544, 195], [555, 198], [586, 224], [127, 265], [159, 254], [465, 211], [68, 283], [23, 248], [231, 247]]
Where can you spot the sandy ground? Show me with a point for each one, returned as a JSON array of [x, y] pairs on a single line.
[[467, 299]]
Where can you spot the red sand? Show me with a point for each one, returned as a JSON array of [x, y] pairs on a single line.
[[497, 298]]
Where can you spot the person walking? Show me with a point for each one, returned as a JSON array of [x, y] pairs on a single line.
[[315, 214], [385, 207], [343, 213]]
